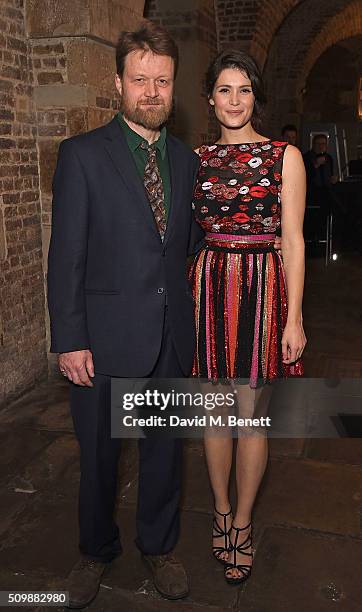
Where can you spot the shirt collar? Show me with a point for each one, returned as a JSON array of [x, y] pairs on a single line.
[[134, 140]]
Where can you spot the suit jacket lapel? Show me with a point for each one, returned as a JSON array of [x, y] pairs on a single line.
[[117, 148], [176, 184]]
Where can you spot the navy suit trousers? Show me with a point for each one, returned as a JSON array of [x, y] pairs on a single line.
[[160, 470]]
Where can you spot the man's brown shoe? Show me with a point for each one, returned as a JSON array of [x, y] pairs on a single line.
[[83, 582], [169, 576]]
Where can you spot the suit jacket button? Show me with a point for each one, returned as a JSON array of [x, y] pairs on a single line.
[[160, 290]]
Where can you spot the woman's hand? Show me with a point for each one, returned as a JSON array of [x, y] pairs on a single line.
[[278, 245], [293, 342]]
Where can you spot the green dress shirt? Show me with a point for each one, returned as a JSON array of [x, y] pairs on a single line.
[[140, 157]]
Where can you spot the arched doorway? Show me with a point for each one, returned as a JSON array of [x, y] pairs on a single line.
[[303, 36]]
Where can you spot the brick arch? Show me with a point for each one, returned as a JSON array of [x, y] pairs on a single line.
[[251, 25], [344, 25], [287, 55], [270, 17]]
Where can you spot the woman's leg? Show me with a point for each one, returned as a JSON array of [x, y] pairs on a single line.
[[218, 452], [251, 461]]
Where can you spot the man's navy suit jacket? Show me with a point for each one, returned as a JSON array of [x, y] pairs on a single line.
[[108, 271]]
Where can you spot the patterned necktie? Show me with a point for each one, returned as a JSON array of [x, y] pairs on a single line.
[[154, 187]]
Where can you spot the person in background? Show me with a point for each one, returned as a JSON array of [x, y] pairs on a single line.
[[319, 168], [290, 134]]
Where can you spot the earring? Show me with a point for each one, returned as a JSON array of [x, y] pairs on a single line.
[[212, 102]]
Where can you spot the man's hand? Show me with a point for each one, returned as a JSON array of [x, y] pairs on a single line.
[[278, 244], [78, 367]]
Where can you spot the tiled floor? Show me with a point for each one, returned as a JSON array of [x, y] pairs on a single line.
[[308, 533]]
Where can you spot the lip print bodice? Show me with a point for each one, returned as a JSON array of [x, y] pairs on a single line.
[[238, 188]]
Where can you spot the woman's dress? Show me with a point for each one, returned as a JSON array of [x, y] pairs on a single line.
[[238, 278]]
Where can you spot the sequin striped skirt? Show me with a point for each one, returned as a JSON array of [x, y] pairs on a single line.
[[241, 310]]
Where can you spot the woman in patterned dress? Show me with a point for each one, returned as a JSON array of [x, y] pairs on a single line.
[[248, 188]]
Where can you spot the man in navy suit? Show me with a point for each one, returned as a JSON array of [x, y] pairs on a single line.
[[120, 303]]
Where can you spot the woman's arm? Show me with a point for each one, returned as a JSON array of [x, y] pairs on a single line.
[[293, 206]]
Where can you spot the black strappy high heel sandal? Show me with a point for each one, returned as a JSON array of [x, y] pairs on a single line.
[[245, 570], [218, 532]]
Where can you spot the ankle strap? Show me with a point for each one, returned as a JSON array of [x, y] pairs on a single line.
[[221, 513], [241, 528]]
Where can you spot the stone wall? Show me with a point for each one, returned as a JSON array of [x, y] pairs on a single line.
[[22, 316]]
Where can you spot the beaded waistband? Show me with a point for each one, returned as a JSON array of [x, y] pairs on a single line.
[[231, 242]]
